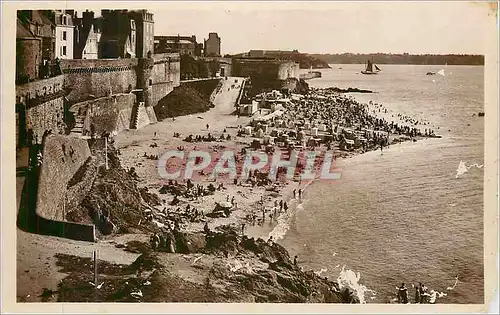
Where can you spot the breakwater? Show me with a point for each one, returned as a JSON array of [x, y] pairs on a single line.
[[310, 75]]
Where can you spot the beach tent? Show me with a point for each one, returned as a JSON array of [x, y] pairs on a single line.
[[248, 130]]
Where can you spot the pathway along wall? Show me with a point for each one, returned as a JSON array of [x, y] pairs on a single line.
[[62, 157]]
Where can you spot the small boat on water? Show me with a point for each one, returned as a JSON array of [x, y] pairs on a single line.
[[430, 73], [369, 68], [481, 114]]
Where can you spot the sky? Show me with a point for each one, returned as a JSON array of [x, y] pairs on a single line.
[[329, 27]]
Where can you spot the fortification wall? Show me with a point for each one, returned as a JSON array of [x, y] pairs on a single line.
[[112, 114], [165, 76], [62, 157], [288, 70], [44, 103], [252, 68], [86, 78]]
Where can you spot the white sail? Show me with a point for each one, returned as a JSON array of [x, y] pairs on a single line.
[[441, 72]]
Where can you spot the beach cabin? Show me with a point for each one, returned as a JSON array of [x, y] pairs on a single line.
[[249, 109], [346, 145]]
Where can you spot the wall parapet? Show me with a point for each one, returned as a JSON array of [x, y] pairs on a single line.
[[39, 88], [30, 103], [97, 69]]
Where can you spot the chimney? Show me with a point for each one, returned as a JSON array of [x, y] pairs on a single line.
[[88, 18]]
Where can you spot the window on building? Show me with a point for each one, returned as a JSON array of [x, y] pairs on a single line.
[[64, 35], [64, 20], [64, 50]]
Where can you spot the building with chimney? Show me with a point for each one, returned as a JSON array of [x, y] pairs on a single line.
[[63, 21], [35, 38], [118, 39], [28, 54], [126, 34], [184, 45], [212, 45], [87, 36]]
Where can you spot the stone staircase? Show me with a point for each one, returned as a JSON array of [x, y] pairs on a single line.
[[135, 116], [139, 117], [77, 130]]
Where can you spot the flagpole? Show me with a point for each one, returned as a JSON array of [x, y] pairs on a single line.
[[106, 151]]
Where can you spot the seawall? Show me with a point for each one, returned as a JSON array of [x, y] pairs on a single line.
[[111, 114], [62, 158], [310, 75]]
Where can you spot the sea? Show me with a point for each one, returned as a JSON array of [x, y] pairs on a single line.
[[404, 215]]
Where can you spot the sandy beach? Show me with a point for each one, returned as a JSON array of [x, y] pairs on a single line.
[[134, 143]]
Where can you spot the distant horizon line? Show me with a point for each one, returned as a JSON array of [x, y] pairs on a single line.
[[377, 53]]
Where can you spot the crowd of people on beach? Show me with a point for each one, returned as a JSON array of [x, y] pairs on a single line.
[[343, 119]]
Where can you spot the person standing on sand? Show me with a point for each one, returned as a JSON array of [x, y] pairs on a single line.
[[300, 193], [294, 193], [417, 294], [285, 206], [243, 229], [295, 261], [403, 294], [208, 126]]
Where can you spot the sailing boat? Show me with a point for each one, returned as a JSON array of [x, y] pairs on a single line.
[[369, 68]]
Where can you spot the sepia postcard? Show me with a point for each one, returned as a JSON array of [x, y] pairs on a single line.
[[249, 157]]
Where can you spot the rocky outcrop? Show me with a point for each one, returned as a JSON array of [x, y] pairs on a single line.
[[114, 202], [348, 90]]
